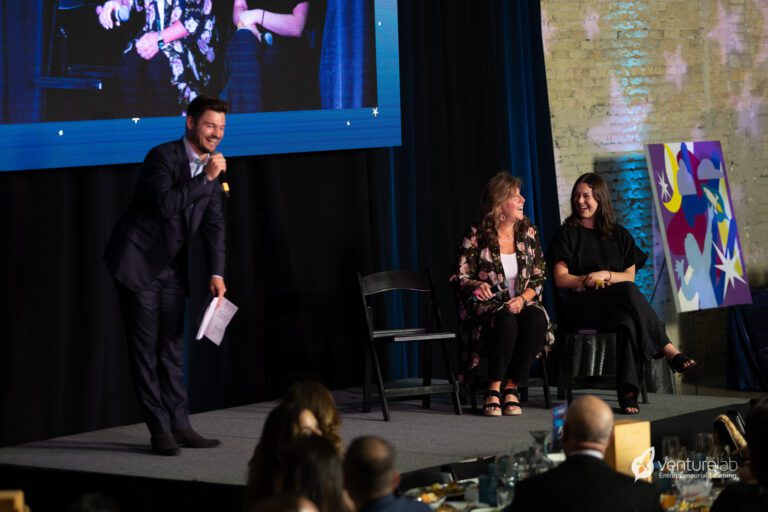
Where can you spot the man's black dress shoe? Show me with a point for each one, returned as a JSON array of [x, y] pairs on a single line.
[[191, 439], [165, 444]]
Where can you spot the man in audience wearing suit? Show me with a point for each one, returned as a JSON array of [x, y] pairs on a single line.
[[371, 479], [584, 481], [178, 191]]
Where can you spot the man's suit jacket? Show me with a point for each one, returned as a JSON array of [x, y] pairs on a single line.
[[167, 208], [583, 482]]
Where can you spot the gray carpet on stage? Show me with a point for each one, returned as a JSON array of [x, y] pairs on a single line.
[[422, 437]]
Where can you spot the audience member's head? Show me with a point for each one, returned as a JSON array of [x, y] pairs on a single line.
[[315, 396], [369, 470], [757, 427], [283, 503], [285, 423], [313, 469], [588, 425]]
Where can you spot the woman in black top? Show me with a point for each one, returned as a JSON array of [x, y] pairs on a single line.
[[264, 71], [595, 259]]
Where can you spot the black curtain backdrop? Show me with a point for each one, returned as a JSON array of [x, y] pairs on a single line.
[[298, 228]]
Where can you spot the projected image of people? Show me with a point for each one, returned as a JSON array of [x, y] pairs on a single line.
[[167, 64], [262, 57], [118, 59]]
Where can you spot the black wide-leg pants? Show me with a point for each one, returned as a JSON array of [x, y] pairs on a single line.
[[622, 308]]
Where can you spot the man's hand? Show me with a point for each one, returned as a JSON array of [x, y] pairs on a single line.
[[217, 287], [147, 45], [216, 165]]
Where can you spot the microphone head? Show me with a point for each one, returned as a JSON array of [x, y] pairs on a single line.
[[123, 13]]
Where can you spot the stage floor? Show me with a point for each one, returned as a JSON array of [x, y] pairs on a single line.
[[423, 438]]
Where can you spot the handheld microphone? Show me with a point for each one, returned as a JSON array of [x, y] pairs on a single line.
[[123, 13], [498, 293], [223, 179]]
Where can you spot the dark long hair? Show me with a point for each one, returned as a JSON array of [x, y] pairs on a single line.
[[496, 191], [605, 218], [265, 467], [313, 469]]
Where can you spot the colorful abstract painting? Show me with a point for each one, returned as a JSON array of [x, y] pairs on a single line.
[[698, 226]]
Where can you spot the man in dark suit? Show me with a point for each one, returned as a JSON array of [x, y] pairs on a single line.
[[584, 481], [371, 479], [178, 191]]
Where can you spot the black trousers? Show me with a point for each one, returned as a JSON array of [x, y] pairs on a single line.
[[623, 308], [513, 342], [154, 321], [245, 74], [145, 86]]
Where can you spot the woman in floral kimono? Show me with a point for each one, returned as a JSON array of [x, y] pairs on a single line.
[[167, 64], [500, 272]]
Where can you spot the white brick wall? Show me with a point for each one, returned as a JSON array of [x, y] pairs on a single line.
[[660, 71]]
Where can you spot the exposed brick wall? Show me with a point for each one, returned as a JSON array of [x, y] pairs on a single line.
[[622, 74]]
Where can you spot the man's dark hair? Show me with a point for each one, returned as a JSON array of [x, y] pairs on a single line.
[[203, 103], [369, 466]]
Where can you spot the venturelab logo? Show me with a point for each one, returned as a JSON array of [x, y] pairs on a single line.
[[688, 469], [642, 466], [684, 469]]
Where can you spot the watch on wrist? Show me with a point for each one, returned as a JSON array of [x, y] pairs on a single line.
[[160, 41]]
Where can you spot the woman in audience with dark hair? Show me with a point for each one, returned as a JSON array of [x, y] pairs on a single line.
[[285, 423], [283, 503], [594, 261], [314, 396], [499, 277], [313, 469], [751, 494]]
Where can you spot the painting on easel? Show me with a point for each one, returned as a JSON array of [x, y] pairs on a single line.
[[698, 226]]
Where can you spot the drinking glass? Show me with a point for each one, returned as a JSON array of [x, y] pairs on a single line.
[[506, 471], [705, 445], [670, 447], [537, 461]]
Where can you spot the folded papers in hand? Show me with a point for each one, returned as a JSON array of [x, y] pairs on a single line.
[[216, 319]]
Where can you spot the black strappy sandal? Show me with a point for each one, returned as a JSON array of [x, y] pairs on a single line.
[[679, 362], [517, 410], [489, 409], [628, 400]]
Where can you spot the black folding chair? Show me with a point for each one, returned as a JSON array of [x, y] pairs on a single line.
[[587, 354], [431, 331]]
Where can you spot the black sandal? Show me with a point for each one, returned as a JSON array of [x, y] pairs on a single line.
[[628, 400], [679, 362], [515, 406], [489, 409]]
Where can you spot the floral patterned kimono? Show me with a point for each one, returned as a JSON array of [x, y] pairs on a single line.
[[189, 58], [483, 263]]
